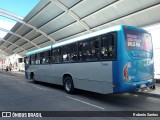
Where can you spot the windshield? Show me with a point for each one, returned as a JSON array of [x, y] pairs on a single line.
[[138, 40]]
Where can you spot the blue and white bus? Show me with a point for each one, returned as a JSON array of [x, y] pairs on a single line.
[[114, 60]]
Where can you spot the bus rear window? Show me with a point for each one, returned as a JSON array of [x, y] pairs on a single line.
[[138, 40]]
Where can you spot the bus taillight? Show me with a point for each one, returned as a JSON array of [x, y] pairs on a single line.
[[125, 73]]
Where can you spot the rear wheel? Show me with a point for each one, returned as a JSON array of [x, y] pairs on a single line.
[[68, 85]]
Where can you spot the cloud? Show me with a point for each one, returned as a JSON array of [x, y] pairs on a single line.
[[6, 25]]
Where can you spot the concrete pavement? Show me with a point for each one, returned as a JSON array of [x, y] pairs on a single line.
[[149, 92], [17, 94]]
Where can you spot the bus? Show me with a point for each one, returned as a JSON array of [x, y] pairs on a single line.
[[113, 60]]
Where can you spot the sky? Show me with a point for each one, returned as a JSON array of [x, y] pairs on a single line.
[[18, 7]]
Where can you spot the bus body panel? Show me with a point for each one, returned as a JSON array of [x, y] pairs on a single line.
[[90, 80], [118, 64]]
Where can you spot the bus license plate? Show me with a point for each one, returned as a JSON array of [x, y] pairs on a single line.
[[143, 86]]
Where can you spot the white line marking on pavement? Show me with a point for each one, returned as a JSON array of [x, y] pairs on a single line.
[[39, 87], [85, 102]]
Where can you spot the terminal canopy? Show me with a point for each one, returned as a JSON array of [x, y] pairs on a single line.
[[58, 20]]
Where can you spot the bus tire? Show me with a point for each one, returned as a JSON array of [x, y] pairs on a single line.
[[33, 79], [68, 85]]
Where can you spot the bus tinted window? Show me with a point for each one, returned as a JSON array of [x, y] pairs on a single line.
[[45, 57], [84, 50], [108, 47], [56, 55], [37, 58], [94, 49], [89, 50], [70, 53], [33, 59]]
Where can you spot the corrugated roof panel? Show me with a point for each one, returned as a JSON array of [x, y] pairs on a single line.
[[146, 18], [101, 17], [46, 44], [16, 26], [1, 42], [12, 47], [17, 50], [20, 42], [130, 21], [148, 3], [74, 36], [132, 6], [28, 45], [6, 44], [68, 31], [13, 38], [23, 30], [50, 12], [56, 24], [36, 9], [89, 6], [69, 3], [31, 49], [31, 35], [7, 36], [40, 40], [120, 8]]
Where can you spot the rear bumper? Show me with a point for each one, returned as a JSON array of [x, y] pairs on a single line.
[[134, 86]]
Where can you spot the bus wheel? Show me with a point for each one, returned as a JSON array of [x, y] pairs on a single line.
[[68, 85], [33, 79]]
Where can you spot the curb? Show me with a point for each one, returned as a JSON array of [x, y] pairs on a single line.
[[148, 94]]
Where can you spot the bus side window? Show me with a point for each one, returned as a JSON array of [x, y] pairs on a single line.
[[33, 59], [53, 58], [73, 52], [41, 57], [37, 58], [84, 51], [65, 53], [107, 47], [94, 49], [70, 53], [56, 55], [29, 57], [45, 57], [104, 47]]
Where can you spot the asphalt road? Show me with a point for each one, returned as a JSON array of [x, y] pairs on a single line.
[[17, 94]]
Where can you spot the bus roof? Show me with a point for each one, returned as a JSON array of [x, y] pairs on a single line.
[[100, 32]]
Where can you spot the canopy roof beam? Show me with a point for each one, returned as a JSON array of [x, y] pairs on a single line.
[[12, 44], [72, 14], [18, 19], [8, 31], [7, 49]]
